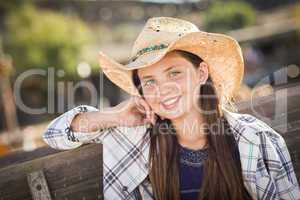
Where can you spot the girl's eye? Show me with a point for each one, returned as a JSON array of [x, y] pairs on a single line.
[[174, 73], [149, 82]]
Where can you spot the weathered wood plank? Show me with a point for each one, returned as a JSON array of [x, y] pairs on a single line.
[[75, 174], [23, 156], [267, 105]]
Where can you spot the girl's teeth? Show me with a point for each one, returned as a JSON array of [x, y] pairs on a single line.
[[169, 104], [170, 101]]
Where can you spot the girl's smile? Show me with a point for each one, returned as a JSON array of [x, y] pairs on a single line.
[[170, 103]]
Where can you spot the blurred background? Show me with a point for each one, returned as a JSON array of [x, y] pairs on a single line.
[[48, 52]]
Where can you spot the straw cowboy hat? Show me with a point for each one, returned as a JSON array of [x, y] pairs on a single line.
[[161, 35]]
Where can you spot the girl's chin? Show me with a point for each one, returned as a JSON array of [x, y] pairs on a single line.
[[172, 115]]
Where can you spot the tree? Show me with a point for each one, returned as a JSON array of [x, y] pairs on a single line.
[[225, 16], [42, 39]]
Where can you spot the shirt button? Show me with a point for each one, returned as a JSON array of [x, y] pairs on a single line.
[[68, 130]]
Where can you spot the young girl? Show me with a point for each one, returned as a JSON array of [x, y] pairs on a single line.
[[175, 138]]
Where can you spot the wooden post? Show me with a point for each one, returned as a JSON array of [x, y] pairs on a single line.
[[14, 136]]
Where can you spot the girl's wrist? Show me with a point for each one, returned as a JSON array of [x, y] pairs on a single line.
[[109, 117]]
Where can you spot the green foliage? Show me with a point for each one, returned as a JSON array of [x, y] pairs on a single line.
[[42, 39], [12, 5], [230, 15]]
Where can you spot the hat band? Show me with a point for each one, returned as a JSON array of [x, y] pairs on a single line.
[[148, 49]]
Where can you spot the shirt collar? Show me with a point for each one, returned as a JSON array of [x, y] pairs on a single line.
[[242, 128]]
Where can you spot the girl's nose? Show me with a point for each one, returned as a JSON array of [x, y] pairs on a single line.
[[168, 88]]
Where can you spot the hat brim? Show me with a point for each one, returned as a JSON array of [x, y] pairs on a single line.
[[221, 52]]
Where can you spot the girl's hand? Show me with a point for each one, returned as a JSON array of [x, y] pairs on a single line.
[[134, 112]]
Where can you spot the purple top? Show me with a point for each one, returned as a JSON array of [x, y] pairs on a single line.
[[191, 171]]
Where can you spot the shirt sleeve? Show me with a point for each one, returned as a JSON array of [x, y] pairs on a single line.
[[284, 174], [59, 135], [286, 179]]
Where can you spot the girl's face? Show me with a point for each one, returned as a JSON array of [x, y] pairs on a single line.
[[170, 86]]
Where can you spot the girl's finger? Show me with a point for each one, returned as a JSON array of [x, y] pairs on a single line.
[[146, 107], [136, 103], [153, 120], [151, 117], [140, 106]]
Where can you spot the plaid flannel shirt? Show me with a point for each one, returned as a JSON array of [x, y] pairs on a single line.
[[267, 169]]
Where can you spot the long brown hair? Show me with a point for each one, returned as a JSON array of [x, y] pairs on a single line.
[[222, 172]]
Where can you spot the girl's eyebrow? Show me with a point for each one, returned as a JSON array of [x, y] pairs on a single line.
[[169, 68], [165, 70], [147, 77]]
